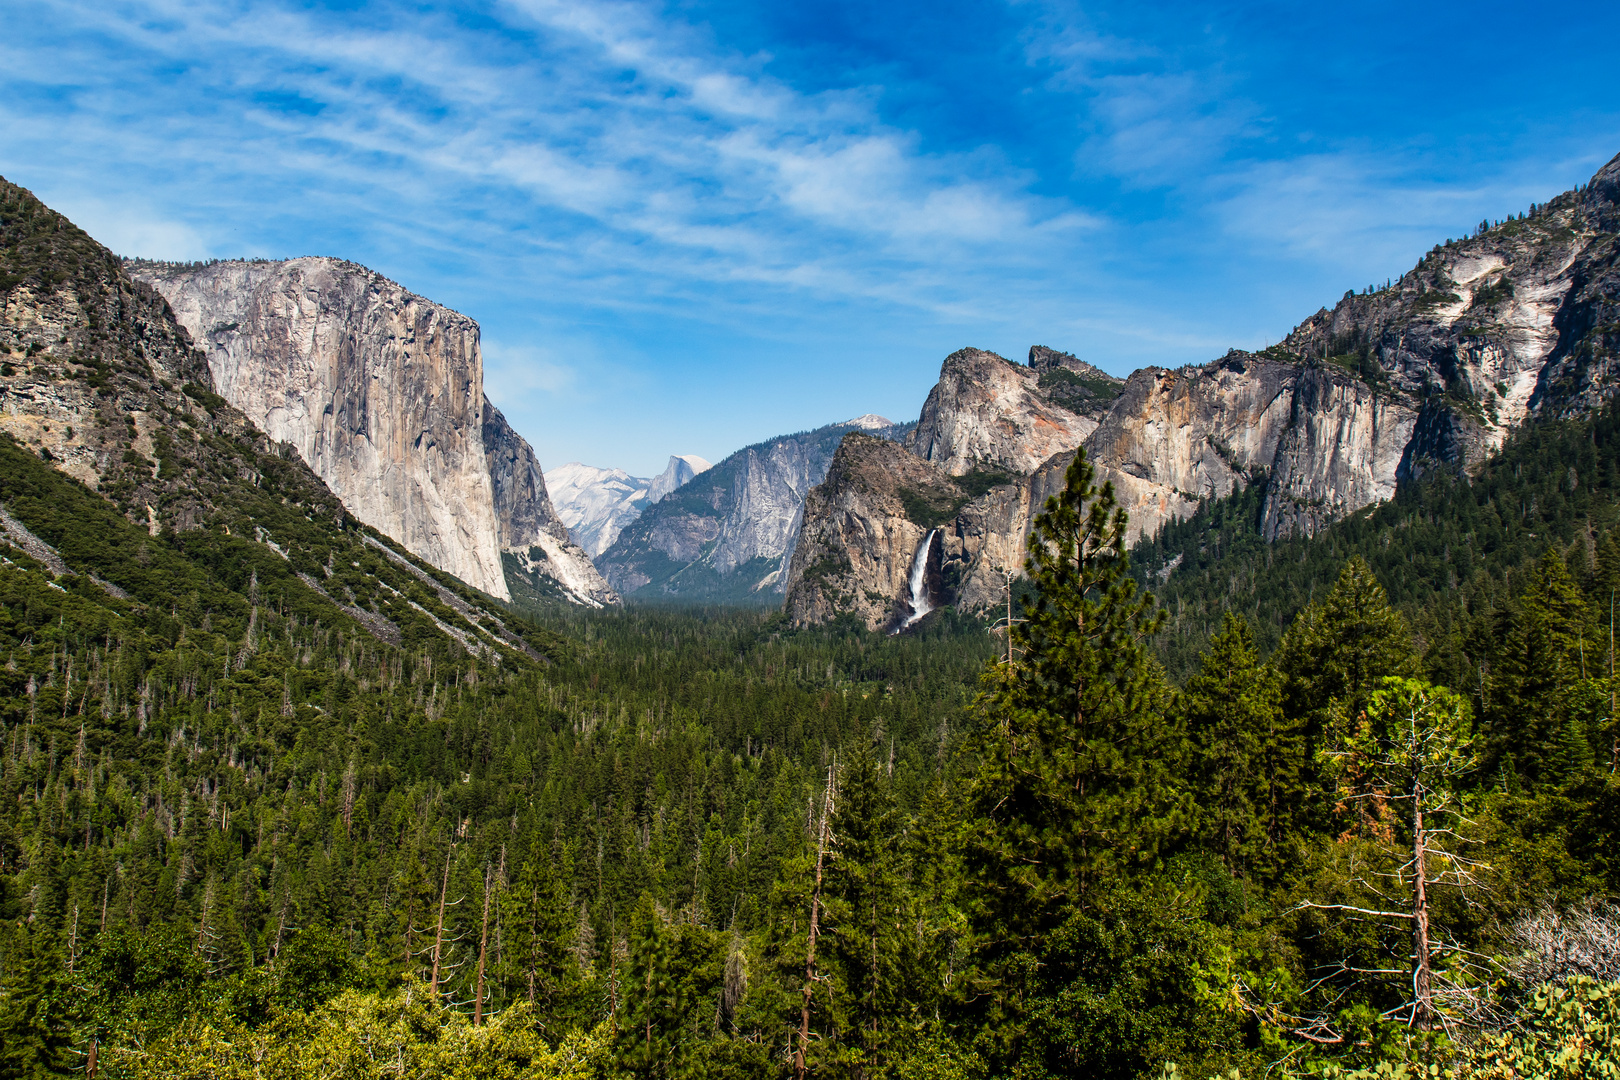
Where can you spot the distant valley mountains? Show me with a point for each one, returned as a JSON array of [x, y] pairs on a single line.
[[596, 504], [728, 534], [173, 389]]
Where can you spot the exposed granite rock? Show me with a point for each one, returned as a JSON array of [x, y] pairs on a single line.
[[1070, 383], [681, 468], [856, 553], [380, 391], [596, 504], [1343, 449], [730, 532], [528, 524], [988, 412], [1431, 372], [91, 369], [98, 378]]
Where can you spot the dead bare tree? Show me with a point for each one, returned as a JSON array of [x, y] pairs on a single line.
[[1554, 945], [1412, 746], [810, 976], [483, 950], [438, 951], [1005, 626]]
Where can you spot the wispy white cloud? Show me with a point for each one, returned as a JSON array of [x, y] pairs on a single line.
[[564, 170], [643, 148]]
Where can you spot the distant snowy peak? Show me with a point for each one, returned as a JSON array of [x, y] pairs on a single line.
[[869, 422], [596, 504]]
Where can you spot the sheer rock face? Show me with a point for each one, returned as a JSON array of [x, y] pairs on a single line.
[[1172, 438], [858, 545], [381, 392], [1431, 372], [527, 522], [732, 529], [987, 411], [681, 468]]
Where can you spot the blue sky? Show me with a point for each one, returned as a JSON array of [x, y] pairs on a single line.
[[685, 227]]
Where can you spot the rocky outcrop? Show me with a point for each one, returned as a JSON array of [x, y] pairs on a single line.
[[528, 526], [380, 391], [1430, 372], [91, 366], [864, 526], [730, 532], [987, 412], [681, 468]]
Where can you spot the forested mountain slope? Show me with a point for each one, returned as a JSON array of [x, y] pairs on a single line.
[[1450, 547]]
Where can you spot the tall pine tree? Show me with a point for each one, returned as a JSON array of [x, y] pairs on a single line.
[[1075, 754], [1246, 759]]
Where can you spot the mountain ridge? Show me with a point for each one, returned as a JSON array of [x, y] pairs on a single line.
[[1520, 321], [729, 533]]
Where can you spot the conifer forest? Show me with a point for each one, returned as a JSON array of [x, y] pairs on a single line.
[[1362, 821]]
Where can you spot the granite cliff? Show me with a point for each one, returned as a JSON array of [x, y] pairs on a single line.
[[729, 533], [380, 391], [98, 379], [987, 411], [1428, 372]]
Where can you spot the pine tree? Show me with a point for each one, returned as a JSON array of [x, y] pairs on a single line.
[[650, 1028], [1072, 745], [37, 1007], [864, 899], [1075, 753], [1401, 764], [1535, 722], [539, 924], [1245, 762], [1339, 652]]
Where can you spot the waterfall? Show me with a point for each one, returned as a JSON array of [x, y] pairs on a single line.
[[919, 582]]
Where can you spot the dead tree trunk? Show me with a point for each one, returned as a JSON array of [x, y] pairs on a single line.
[[1422, 990], [815, 925], [438, 932], [483, 947]]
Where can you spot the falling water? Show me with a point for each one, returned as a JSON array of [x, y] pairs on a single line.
[[919, 582]]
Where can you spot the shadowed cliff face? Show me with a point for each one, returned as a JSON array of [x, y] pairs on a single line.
[[1431, 372], [529, 527], [856, 551]]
